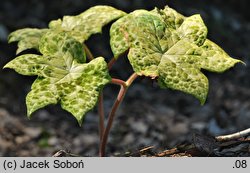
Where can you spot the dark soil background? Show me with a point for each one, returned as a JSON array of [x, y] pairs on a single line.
[[149, 116]]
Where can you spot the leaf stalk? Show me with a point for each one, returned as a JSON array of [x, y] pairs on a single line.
[[123, 90], [101, 115], [88, 52]]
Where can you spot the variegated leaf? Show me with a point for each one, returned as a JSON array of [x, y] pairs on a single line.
[[82, 26], [27, 38], [62, 77], [171, 47]]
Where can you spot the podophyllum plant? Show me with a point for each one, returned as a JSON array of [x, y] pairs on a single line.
[[160, 44]]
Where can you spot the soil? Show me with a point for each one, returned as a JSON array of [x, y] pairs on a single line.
[[151, 121]]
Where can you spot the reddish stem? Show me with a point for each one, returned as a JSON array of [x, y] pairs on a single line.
[[88, 52], [101, 115], [118, 100], [131, 79], [118, 82], [124, 86], [111, 63]]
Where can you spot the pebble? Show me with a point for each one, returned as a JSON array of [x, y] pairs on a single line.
[[128, 139], [198, 125], [140, 127], [179, 128], [52, 141], [43, 115], [22, 139], [90, 139], [33, 131]]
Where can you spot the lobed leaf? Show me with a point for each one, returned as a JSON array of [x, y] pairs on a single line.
[[62, 78], [27, 38], [167, 45], [77, 96], [179, 69], [43, 92], [171, 17], [82, 26], [59, 43]]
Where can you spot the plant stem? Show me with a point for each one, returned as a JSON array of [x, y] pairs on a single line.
[[123, 89], [118, 82], [111, 62], [131, 79], [88, 52], [116, 104], [114, 59], [101, 115]]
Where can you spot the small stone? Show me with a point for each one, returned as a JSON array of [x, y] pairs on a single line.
[[128, 139], [179, 128], [33, 132], [22, 139], [140, 127], [43, 115], [198, 126], [86, 140], [53, 141]]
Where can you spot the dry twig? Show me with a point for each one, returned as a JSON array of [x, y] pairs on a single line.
[[233, 136]]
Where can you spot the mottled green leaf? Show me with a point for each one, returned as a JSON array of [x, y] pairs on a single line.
[[193, 29], [180, 69], [59, 43], [61, 77], [167, 45], [27, 38], [215, 58], [82, 26], [43, 92], [171, 17]]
